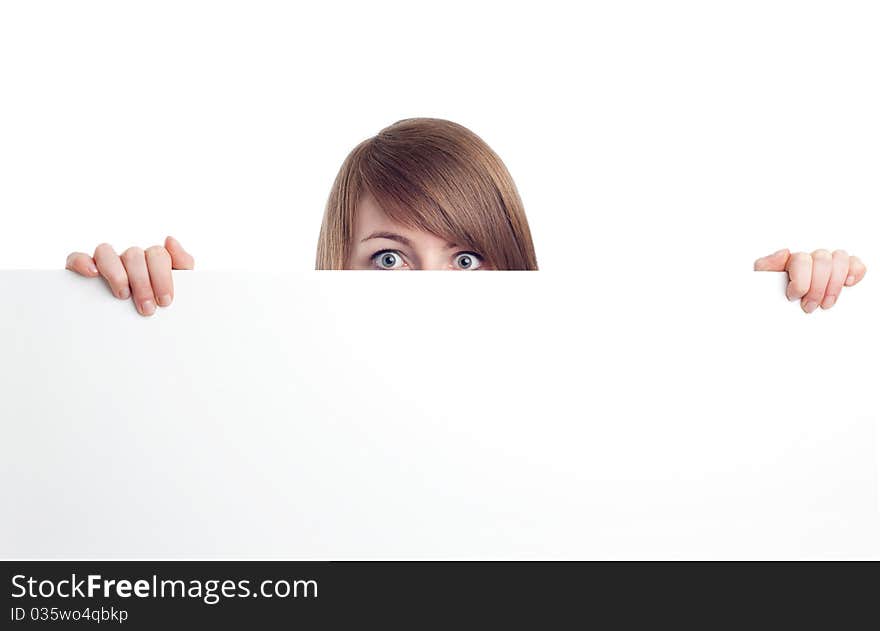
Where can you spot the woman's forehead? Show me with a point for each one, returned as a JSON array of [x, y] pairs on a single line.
[[369, 217], [372, 222], [369, 210]]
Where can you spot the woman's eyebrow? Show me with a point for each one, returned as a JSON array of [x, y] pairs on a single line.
[[389, 235]]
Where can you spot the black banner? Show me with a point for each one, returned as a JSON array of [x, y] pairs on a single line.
[[270, 594]]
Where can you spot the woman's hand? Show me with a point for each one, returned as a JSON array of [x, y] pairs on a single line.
[[143, 275], [815, 279]]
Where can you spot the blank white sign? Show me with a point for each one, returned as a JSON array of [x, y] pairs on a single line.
[[470, 416]]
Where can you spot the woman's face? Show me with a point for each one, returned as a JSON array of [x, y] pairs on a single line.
[[380, 243]]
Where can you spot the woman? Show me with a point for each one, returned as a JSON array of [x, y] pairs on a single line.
[[427, 194]]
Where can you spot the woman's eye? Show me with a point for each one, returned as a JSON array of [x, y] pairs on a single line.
[[468, 261], [389, 259]]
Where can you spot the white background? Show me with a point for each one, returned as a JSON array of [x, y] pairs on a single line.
[[695, 136], [659, 149]]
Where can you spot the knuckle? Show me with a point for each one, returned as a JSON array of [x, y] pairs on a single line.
[[823, 255], [815, 288], [132, 252], [157, 251], [103, 248], [142, 289], [840, 254]]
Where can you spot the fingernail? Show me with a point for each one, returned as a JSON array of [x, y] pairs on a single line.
[[92, 268], [164, 300], [829, 302], [123, 294], [147, 307], [810, 306], [850, 280]]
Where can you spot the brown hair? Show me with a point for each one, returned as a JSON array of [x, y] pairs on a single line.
[[434, 175]]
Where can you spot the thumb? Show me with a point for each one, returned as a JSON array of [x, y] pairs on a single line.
[[775, 262], [180, 258]]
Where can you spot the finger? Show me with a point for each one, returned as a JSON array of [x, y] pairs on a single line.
[[111, 268], [159, 268], [800, 271], [775, 262], [180, 258], [857, 271], [139, 278], [839, 268], [819, 281], [82, 264]]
